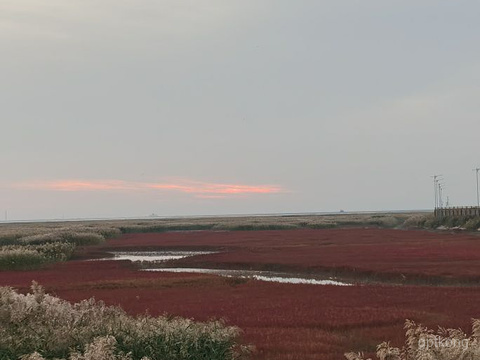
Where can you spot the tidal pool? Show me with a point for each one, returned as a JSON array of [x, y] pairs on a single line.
[[146, 257], [154, 256], [257, 275]]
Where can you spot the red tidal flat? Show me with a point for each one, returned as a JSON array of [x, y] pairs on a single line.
[[284, 321], [387, 253]]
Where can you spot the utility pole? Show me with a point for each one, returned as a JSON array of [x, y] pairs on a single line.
[[436, 179], [440, 195], [478, 195]]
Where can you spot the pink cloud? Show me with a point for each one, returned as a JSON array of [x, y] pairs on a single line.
[[199, 189], [203, 196]]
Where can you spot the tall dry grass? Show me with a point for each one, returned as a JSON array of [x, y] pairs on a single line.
[[30, 246], [73, 237], [95, 232], [40, 326], [247, 223], [112, 228], [422, 343], [27, 257], [429, 221]]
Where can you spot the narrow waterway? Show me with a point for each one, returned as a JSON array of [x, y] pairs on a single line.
[[155, 257]]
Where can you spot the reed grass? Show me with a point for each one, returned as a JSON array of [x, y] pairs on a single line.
[[429, 221], [20, 259], [88, 233], [422, 343], [30, 246], [39, 326], [251, 223], [77, 238], [28, 257]]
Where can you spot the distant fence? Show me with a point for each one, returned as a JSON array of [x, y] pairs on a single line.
[[472, 211]]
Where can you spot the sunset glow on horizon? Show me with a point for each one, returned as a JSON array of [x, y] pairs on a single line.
[[198, 189], [121, 108]]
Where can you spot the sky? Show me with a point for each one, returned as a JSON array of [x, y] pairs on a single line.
[[124, 108]]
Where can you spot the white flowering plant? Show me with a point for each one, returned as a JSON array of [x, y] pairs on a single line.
[[422, 343], [39, 326]]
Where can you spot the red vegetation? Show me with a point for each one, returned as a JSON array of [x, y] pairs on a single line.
[[285, 321], [384, 253]]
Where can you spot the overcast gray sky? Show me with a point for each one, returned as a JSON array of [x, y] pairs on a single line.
[[131, 107]]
